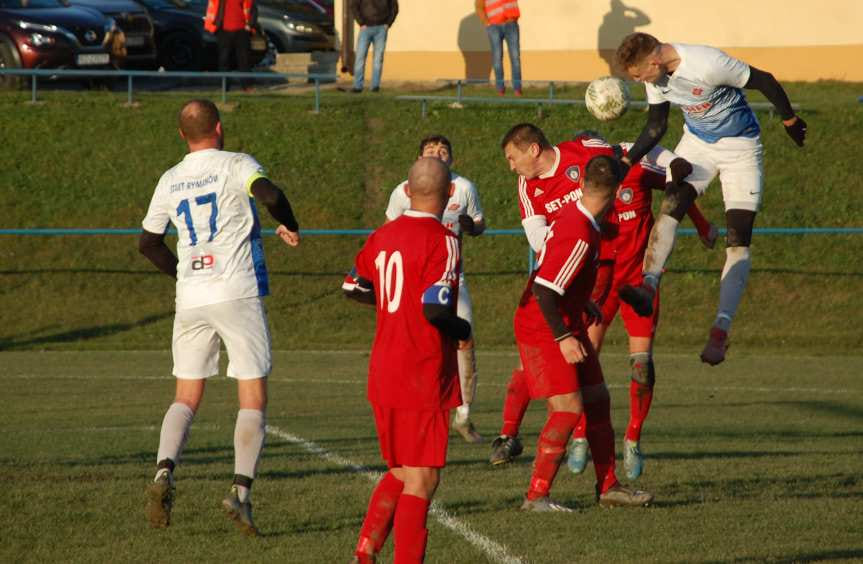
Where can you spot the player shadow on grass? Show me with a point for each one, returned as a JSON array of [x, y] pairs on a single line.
[[828, 554], [83, 333]]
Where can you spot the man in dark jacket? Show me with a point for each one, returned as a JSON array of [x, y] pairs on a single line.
[[375, 18]]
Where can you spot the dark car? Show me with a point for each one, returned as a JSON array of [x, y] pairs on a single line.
[[50, 34], [181, 41], [295, 26], [134, 22]]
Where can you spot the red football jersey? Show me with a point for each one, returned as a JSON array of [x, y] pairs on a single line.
[[567, 264], [547, 194], [635, 195], [412, 365]]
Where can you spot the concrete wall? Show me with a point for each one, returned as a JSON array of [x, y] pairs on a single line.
[[575, 39]]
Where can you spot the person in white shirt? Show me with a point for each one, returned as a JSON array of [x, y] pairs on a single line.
[[209, 198], [720, 136], [463, 214]]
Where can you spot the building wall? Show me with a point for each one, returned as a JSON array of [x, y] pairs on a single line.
[[575, 39]]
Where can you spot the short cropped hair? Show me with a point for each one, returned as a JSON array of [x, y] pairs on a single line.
[[435, 140], [602, 175], [634, 48], [523, 135], [198, 119]]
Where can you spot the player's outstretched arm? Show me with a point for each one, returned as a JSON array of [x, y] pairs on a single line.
[[654, 129], [152, 246], [272, 197], [358, 288], [765, 83]]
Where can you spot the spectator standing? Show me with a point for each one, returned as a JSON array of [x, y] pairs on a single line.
[[375, 18], [500, 18], [232, 22]]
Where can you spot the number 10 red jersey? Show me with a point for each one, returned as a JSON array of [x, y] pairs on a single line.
[[413, 365]]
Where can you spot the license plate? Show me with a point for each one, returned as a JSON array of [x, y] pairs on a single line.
[[93, 59], [135, 40]]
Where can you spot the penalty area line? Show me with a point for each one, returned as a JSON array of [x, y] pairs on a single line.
[[494, 550]]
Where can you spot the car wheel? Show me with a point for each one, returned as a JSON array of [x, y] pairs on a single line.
[[9, 61], [180, 51]]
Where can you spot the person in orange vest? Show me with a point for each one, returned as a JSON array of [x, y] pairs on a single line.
[[232, 22], [500, 18]]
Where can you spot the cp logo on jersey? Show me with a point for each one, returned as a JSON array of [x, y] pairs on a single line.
[[573, 173], [203, 262], [625, 195], [453, 207], [697, 91]]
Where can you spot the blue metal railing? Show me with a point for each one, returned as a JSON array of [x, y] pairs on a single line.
[[130, 75], [53, 232]]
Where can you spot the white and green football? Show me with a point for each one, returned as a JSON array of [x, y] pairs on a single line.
[[607, 98]]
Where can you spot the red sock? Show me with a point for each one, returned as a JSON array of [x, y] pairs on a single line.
[[698, 219], [515, 404], [580, 431], [600, 438], [550, 450], [640, 396], [379, 517], [411, 532]]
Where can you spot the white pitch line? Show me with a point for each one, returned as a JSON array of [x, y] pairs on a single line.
[[494, 550]]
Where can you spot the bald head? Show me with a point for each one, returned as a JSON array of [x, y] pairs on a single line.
[[199, 120], [428, 182]]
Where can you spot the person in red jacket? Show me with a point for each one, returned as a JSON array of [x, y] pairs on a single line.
[[232, 21]]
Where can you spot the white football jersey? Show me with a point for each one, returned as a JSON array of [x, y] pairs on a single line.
[[207, 197], [707, 86], [463, 199]]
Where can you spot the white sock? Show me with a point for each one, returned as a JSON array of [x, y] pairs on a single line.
[[467, 375], [248, 441], [175, 431], [243, 493], [735, 274], [659, 247], [462, 412]]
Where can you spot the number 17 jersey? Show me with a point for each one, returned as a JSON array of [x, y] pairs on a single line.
[[208, 200], [413, 365]]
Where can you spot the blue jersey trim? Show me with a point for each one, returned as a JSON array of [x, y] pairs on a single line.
[[729, 116], [258, 261]]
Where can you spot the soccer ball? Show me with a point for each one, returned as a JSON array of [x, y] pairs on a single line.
[[607, 98]]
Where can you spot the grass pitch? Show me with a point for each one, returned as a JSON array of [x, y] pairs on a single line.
[[758, 459]]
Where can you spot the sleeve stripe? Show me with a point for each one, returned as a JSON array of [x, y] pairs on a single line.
[[449, 274], [547, 284], [571, 264], [525, 200]]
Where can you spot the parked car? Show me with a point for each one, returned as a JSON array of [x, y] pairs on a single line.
[[181, 41], [132, 19], [49, 34], [295, 26]]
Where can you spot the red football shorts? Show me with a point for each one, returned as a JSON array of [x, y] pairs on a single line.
[[549, 374], [620, 264], [411, 437]]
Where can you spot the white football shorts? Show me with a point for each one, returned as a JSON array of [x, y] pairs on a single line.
[[241, 324], [737, 160], [464, 307]]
